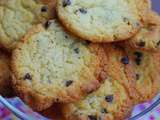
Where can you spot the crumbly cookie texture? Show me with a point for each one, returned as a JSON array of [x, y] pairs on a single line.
[[148, 38], [18, 16], [146, 66], [54, 66], [112, 101], [103, 20], [5, 76]]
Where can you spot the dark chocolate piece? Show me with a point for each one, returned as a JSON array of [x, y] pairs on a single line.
[[27, 77], [47, 24], [92, 117], [68, 83], [44, 9], [137, 76], [83, 10], [66, 3], [104, 110], [109, 98], [141, 44], [125, 60], [76, 50]]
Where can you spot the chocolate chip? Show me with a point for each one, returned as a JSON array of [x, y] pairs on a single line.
[[66, 3], [27, 77], [109, 98], [138, 61], [92, 117], [137, 76], [104, 110], [44, 9], [141, 44], [138, 54], [126, 20], [125, 60], [66, 36], [76, 50], [47, 24], [68, 83], [57, 99], [138, 58], [83, 10], [158, 43], [86, 42]]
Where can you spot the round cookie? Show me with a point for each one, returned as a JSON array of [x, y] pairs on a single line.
[[112, 100], [5, 76], [103, 20], [148, 38], [53, 66], [146, 66], [18, 16]]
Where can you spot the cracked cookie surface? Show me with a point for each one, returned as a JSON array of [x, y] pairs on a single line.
[[103, 20], [54, 66], [18, 16]]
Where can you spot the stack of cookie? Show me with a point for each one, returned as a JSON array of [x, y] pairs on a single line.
[[98, 58], [16, 18]]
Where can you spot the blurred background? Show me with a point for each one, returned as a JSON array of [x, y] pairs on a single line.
[[156, 5]]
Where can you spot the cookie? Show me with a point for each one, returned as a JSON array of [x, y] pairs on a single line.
[[102, 20], [146, 66], [18, 16], [5, 76], [112, 101], [148, 38], [54, 66], [118, 66]]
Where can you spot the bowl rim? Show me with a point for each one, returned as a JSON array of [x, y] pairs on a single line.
[[21, 115]]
